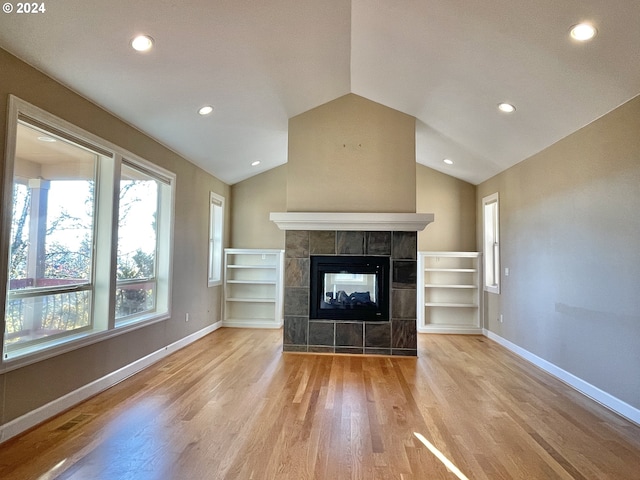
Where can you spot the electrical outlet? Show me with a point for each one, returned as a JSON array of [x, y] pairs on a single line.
[[186, 317], [501, 318]]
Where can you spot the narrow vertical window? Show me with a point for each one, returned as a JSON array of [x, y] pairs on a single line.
[[137, 242], [216, 227], [491, 243]]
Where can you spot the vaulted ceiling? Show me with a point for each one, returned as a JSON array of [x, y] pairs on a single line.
[[259, 63]]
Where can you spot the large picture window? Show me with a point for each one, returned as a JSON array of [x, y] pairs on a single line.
[[73, 273], [52, 235]]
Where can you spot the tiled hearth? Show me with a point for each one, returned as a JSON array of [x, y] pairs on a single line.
[[394, 337]]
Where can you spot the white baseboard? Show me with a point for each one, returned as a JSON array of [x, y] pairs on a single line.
[[615, 404], [449, 329], [251, 324], [59, 405]]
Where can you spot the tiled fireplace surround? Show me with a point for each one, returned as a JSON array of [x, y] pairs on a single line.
[[394, 337]]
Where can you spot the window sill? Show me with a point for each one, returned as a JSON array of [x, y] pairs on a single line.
[[43, 351]]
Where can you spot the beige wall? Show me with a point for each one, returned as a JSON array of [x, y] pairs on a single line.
[[252, 201], [351, 155], [30, 387], [453, 202], [570, 235]]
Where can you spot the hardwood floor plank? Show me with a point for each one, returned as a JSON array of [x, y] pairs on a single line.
[[233, 406]]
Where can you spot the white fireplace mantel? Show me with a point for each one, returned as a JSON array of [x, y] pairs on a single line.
[[405, 222]]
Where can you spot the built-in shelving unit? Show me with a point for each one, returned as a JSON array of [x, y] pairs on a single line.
[[449, 292], [253, 280]]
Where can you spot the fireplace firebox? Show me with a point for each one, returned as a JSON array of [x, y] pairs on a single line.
[[349, 288]]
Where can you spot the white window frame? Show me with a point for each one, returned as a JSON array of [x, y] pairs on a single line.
[[491, 242], [105, 239], [164, 240], [216, 239]]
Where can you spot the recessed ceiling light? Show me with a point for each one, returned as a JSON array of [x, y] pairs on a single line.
[[256, 163], [206, 110], [583, 32], [142, 43], [47, 139], [506, 107], [448, 161]]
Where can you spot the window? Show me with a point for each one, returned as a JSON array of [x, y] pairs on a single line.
[[141, 227], [72, 273], [216, 227], [50, 288], [491, 243]]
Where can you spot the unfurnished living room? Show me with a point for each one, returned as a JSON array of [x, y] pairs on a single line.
[[337, 239]]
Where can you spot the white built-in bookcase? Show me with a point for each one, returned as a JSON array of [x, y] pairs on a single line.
[[253, 281], [449, 292]]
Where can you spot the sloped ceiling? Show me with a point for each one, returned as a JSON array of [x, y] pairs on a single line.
[[446, 62]]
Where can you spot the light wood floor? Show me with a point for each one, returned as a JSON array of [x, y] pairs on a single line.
[[232, 406]]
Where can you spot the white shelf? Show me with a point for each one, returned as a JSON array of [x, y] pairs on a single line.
[[252, 282], [253, 267], [254, 322], [253, 288], [404, 222], [469, 270], [433, 285], [252, 300], [449, 292], [449, 305]]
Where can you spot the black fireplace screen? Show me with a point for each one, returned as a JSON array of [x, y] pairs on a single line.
[[349, 288]]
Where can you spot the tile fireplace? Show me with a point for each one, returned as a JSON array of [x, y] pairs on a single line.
[[381, 250], [304, 331]]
